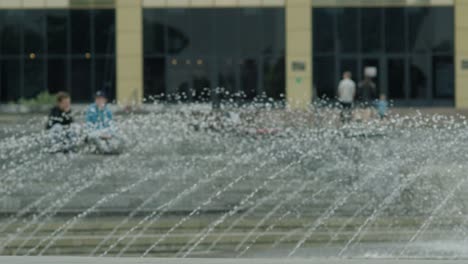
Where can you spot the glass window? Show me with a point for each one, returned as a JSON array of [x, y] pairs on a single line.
[[80, 31], [443, 74], [81, 80], [324, 76], [250, 23], [202, 32], [57, 75], [179, 79], [10, 80], [227, 32], [420, 28], [57, 30], [419, 77], [104, 31], [443, 31], [395, 40], [206, 48], [249, 79], [227, 78], [371, 30], [348, 23], [179, 41], [34, 31], [34, 77], [104, 78], [155, 78], [396, 79], [273, 30], [274, 78], [10, 32], [323, 29], [202, 78], [154, 31]]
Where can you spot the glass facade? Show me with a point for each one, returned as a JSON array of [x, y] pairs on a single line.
[[57, 50], [205, 54], [411, 47]]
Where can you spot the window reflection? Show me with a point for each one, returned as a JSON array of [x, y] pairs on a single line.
[[348, 29], [37, 46], [249, 79], [273, 76], [81, 79], [400, 42], [419, 77], [371, 29], [154, 31], [323, 26], [396, 78], [213, 54], [80, 31], [202, 27], [10, 31], [34, 31], [10, 79], [57, 30], [273, 30], [178, 31], [443, 74], [34, 79], [251, 37], [155, 82], [104, 79], [395, 29], [324, 76], [104, 31], [57, 75], [420, 28], [443, 32]]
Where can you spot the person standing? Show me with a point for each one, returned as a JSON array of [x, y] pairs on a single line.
[[346, 94], [367, 95], [101, 130], [382, 106], [367, 91]]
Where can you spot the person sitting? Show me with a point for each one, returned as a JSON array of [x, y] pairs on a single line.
[[63, 136], [102, 132]]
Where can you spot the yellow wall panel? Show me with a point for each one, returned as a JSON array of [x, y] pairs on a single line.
[[11, 4], [226, 3], [298, 54], [178, 3], [298, 18], [34, 3], [129, 37], [202, 3]]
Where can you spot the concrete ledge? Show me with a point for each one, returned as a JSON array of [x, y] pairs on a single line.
[[85, 260]]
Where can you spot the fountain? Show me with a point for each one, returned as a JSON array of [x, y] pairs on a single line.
[[242, 182]]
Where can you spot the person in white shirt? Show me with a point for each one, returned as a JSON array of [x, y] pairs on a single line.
[[346, 94]]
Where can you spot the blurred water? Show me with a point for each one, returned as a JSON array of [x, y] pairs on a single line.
[[241, 182]]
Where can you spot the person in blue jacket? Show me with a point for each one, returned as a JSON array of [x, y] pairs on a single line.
[[101, 129]]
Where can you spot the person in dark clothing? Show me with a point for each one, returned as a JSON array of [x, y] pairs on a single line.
[[367, 92], [367, 95], [61, 113], [62, 135]]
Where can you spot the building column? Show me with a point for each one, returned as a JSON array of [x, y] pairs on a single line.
[[129, 51], [461, 54], [298, 53]]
